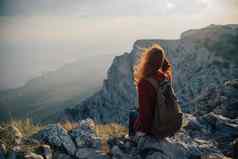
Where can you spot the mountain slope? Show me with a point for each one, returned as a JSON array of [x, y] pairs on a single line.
[[203, 60], [42, 97]]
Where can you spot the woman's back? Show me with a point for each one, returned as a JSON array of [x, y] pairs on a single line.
[[147, 102]]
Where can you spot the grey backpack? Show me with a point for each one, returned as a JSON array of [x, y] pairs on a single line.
[[168, 116]]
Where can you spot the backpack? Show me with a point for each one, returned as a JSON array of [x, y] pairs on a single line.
[[168, 116]]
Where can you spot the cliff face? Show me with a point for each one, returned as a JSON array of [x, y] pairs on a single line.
[[203, 60]]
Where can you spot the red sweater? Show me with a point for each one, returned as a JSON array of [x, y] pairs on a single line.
[[147, 101]]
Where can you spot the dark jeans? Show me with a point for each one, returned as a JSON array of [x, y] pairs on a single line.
[[132, 117]]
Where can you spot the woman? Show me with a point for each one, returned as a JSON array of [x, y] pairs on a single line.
[[152, 63]]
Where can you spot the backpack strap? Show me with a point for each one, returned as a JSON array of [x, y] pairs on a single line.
[[154, 83]]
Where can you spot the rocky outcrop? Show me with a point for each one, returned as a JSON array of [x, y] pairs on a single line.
[[57, 136], [203, 60], [205, 69], [209, 136]]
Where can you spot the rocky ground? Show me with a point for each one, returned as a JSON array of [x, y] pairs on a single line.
[[209, 137]]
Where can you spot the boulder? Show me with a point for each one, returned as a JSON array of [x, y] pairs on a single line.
[[235, 149], [221, 129], [56, 135], [89, 153], [60, 155], [85, 135], [181, 146], [118, 153]]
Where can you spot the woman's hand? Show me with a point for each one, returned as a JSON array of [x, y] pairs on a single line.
[[166, 65]]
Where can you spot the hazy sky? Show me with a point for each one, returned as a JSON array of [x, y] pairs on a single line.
[[40, 35]]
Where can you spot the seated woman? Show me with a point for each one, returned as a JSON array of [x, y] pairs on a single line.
[[152, 63]]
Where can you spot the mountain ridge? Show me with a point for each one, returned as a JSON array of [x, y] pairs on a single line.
[[193, 63], [54, 91]]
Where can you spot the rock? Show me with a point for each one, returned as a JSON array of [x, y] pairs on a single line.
[[85, 138], [33, 156], [56, 135], [89, 153], [181, 146], [85, 135], [87, 124], [60, 155], [235, 149], [232, 83], [31, 141], [149, 145], [117, 153], [221, 129], [213, 156], [125, 145]]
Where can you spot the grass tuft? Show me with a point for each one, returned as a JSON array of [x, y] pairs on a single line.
[[7, 131], [105, 131]]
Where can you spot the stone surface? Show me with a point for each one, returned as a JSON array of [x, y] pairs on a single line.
[[235, 149], [57, 136], [85, 135], [154, 148], [60, 155], [89, 153]]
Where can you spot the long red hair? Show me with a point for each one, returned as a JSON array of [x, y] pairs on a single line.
[[149, 62]]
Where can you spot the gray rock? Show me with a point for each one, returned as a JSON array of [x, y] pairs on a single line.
[[89, 153], [117, 153], [181, 146], [162, 148], [221, 129], [235, 149], [56, 135], [87, 124], [85, 135], [60, 155]]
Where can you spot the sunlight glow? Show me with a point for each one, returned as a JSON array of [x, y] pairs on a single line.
[[170, 5]]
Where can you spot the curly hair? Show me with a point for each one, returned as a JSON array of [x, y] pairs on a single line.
[[149, 62]]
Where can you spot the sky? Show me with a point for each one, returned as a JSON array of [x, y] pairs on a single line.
[[38, 36]]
